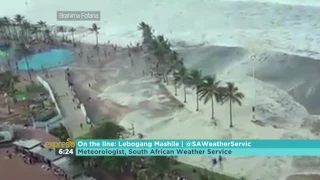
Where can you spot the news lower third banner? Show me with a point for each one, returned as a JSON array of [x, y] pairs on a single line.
[[104, 147]]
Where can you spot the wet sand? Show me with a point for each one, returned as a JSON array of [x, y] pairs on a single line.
[[304, 177]]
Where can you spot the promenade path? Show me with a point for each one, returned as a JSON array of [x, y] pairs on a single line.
[[72, 117]]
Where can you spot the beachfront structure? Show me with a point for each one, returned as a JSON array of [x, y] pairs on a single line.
[[6, 133], [71, 171], [44, 154], [60, 164], [26, 145]]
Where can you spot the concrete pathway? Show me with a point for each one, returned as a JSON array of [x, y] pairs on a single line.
[[72, 117]]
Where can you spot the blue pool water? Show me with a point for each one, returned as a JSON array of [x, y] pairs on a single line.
[[49, 59]]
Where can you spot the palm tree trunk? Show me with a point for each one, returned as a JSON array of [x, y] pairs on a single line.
[[167, 79], [212, 108], [230, 108], [175, 88], [97, 42], [17, 67], [73, 38], [197, 99], [9, 32], [29, 72], [185, 93], [16, 32]]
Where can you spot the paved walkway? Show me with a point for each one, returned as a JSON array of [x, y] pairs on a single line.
[[72, 116]]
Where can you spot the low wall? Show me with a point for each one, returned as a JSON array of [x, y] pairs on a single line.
[[55, 121], [84, 112], [82, 108], [48, 88]]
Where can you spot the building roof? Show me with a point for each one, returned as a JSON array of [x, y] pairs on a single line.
[[27, 144], [65, 165], [35, 149], [48, 153]]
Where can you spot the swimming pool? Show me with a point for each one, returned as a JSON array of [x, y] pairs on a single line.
[[49, 59]]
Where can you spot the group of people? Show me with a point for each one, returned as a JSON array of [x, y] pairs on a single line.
[[215, 161], [26, 157]]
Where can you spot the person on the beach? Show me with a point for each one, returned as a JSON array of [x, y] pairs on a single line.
[[81, 125], [89, 85], [214, 161], [220, 159], [9, 154]]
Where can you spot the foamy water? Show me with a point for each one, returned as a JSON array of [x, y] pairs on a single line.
[[245, 23]]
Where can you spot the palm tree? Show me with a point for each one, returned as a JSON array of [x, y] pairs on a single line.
[[181, 77], [195, 79], [61, 29], [108, 130], [231, 93], [95, 28], [159, 167], [42, 26], [47, 35], [72, 30], [26, 27], [23, 51], [18, 18], [2, 28], [35, 30], [160, 48], [7, 22], [175, 64], [146, 33], [208, 90]]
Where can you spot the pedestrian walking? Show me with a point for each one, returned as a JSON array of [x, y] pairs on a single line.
[[214, 161]]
